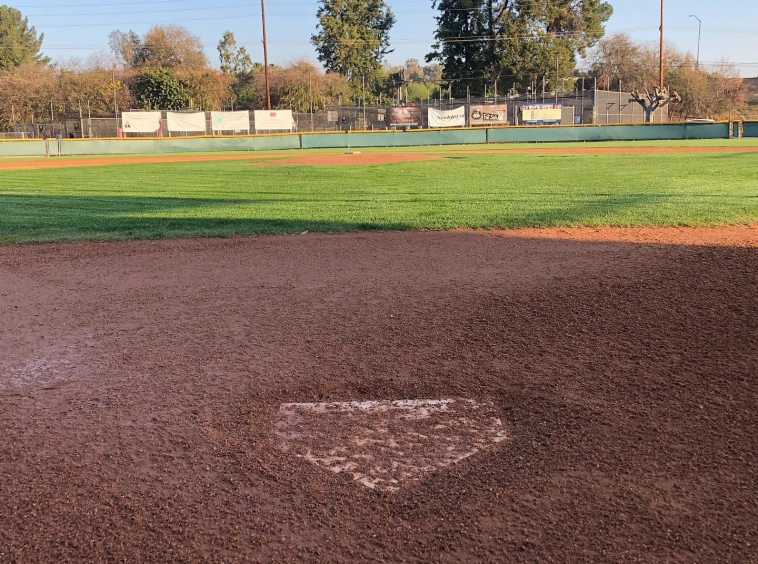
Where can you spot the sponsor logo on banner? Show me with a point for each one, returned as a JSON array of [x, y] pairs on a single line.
[[447, 118], [496, 114], [280, 120], [541, 113], [141, 122], [230, 121], [403, 116]]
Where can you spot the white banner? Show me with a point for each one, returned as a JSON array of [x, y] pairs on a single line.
[[230, 121], [447, 118], [141, 122], [181, 121], [269, 120]]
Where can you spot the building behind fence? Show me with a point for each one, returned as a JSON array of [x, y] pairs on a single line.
[[579, 107]]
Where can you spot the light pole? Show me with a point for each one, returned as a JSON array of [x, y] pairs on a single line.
[[699, 24]]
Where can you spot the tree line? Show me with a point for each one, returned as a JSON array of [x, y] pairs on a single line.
[[506, 46]]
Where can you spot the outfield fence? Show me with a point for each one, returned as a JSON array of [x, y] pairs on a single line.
[[398, 138]]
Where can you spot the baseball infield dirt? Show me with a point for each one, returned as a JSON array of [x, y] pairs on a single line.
[[146, 389], [315, 157]]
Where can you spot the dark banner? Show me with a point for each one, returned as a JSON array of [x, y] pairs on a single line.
[[492, 114], [406, 116]]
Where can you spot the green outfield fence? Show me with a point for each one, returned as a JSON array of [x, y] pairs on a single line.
[[348, 140], [750, 129]]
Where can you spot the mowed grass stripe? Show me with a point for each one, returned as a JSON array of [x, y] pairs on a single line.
[[468, 190]]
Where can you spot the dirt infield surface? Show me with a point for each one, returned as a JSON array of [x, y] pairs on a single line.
[[148, 391], [53, 162], [345, 158]]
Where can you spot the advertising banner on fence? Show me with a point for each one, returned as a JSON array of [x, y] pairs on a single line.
[[141, 122], [541, 113], [447, 118], [270, 120], [492, 114], [181, 121], [230, 121], [404, 116]]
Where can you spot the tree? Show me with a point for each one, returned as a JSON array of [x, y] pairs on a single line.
[[413, 70], [160, 89], [207, 89], [294, 86], [170, 46], [481, 42], [462, 42], [651, 101], [352, 38], [237, 64], [126, 47], [19, 43], [432, 73], [25, 93], [93, 86], [696, 90], [234, 60], [619, 61]]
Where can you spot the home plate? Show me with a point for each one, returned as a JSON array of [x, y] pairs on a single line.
[[383, 444]]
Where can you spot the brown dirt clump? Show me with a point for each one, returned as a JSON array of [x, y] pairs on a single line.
[[141, 384]]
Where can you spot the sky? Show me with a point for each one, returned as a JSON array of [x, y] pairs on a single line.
[[77, 28]]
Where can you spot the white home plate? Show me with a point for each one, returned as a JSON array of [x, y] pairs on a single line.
[[382, 444]]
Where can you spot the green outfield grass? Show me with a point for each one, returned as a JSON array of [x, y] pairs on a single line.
[[464, 190]]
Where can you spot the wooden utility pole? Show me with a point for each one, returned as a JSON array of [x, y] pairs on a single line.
[[660, 70], [265, 58]]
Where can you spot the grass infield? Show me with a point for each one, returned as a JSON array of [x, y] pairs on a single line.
[[464, 190]]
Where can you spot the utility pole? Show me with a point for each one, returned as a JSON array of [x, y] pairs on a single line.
[[556, 79], [265, 58], [310, 96], [699, 24], [363, 82], [660, 63], [115, 106]]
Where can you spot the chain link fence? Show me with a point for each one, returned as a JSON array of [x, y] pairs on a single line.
[[578, 107]]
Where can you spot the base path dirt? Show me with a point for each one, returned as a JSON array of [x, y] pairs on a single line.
[[283, 158], [309, 157], [600, 150], [53, 162], [159, 399]]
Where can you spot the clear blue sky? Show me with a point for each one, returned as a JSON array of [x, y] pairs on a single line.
[[75, 28]]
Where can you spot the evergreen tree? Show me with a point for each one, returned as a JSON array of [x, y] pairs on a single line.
[[480, 42], [160, 89], [19, 43], [352, 39]]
